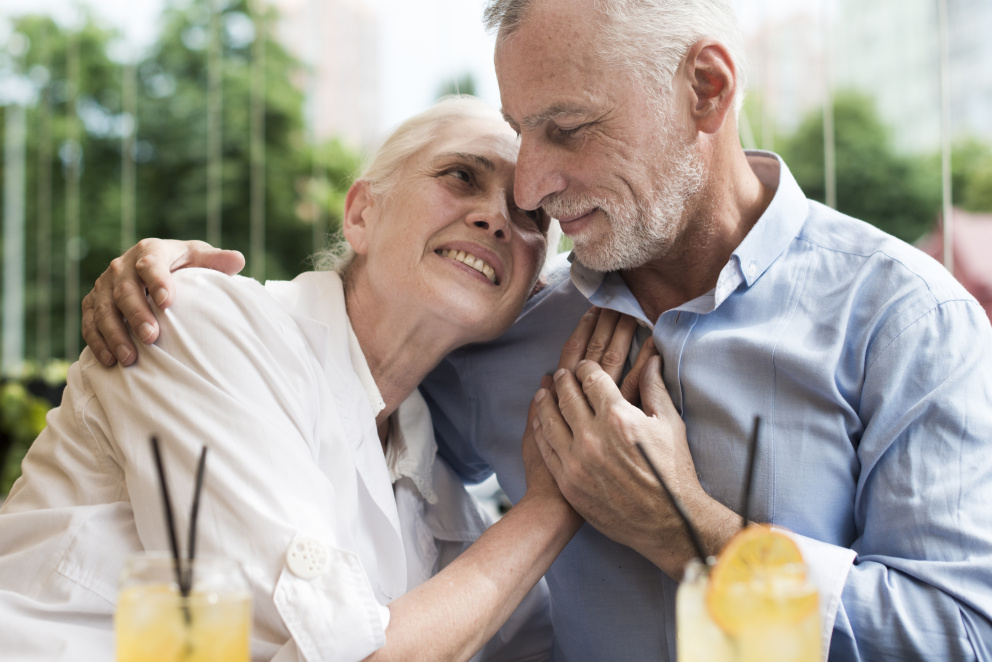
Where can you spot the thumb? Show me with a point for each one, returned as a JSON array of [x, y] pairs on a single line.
[[208, 257], [655, 400]]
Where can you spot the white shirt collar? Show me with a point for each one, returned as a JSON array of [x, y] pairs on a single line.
[[361, 366], [319, 296], [411, 450]]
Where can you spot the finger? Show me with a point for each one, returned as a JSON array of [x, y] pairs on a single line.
[[92, 336], [154, 261], [202, 254], [110, 326], [550, 456], [614, 358], [572, 410], [630, 388], [598, 389], [574, 349], [655, 399], [600, 340]]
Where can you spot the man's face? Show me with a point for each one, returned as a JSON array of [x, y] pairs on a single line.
[[596, 151]]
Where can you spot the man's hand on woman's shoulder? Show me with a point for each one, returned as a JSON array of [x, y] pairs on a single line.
[[120, 293]]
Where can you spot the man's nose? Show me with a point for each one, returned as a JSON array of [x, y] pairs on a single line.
[[537, 175]]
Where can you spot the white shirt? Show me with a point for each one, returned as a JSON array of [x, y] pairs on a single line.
[[272, 380]]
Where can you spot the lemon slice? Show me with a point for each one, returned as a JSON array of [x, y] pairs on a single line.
[[759, 579]]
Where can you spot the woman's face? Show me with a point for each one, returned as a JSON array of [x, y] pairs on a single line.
[[449, 240]]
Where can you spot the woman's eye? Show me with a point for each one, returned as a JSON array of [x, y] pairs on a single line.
[[462, 174]]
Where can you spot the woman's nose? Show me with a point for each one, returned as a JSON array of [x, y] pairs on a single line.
[[492, 217]]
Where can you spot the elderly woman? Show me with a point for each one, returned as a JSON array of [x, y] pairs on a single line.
[[305, 392]]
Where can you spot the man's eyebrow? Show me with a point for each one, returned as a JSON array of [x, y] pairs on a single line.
[[467, 156], [551, 112]]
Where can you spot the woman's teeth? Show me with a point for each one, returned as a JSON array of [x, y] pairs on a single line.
[[476, 263]]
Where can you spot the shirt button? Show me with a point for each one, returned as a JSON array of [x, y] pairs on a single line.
[[307, 557], [752, 269]]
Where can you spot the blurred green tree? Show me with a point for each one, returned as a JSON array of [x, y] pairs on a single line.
[[463, 85], [170, 149], [971, 174], [899, 194]]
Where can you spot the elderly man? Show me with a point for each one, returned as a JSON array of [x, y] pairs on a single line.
[[869, 365]]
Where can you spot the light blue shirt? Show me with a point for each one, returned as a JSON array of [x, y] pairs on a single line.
[[872, 371]]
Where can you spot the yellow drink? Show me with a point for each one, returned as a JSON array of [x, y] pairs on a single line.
[[154, 622], [764, 609]]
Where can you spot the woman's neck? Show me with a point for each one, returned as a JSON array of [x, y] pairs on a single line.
[[400, 345]]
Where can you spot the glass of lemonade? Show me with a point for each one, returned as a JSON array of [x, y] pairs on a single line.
[[155, 622], [761, 608]]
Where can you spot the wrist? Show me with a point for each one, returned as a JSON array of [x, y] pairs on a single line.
[[550, 506]]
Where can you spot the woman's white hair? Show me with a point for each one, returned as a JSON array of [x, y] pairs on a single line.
[[385, 163], [647, 37]]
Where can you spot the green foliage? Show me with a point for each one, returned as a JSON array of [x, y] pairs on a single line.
[[971, 175], [171, 150], [899, 194], [463, 85], [22, 417]]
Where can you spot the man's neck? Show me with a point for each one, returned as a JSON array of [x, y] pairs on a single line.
[[730, 205]]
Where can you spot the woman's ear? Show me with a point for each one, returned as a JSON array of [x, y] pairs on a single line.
[[359, 207]]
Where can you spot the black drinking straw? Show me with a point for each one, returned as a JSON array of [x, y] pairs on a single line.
[[693, 534], [169, 520], [194, 513], [752, 452], [184, 577]]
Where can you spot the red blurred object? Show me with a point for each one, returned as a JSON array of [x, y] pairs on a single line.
[[972, 252]]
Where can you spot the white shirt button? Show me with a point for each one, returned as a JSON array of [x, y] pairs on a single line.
[[752, 269], [307, 557]]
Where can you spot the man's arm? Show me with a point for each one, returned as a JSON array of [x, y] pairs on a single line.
[[921, 587], [119, 293]]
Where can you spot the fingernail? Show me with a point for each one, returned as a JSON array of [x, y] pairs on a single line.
[[540, 395], [560, 373], [123, 354], [106, 358], [145, 332], [160, 296]]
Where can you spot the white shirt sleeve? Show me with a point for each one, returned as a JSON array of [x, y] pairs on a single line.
[[232, 372]]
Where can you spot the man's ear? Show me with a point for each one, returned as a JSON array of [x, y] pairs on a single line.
[[712, 80], [359, 208]]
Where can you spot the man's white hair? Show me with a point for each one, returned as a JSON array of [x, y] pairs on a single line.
[[648, 37]]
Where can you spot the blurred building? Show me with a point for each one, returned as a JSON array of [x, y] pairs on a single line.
[[785, 74], [972, 266], [890, 49], [338, 40]]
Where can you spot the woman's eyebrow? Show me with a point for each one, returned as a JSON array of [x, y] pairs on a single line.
[[468, 156]]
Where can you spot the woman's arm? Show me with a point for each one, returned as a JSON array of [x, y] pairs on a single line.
[[456, 612]]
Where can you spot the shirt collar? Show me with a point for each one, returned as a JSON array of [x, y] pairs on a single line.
[[412, 448], [774, 231], [318, 296]]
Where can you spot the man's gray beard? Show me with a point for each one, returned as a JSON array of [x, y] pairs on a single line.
[[645, 229]]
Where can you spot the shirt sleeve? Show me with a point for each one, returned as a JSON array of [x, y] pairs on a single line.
[[919, 588], [231, 371]]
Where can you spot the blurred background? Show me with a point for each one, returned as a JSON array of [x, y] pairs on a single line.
[[241, 122]]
